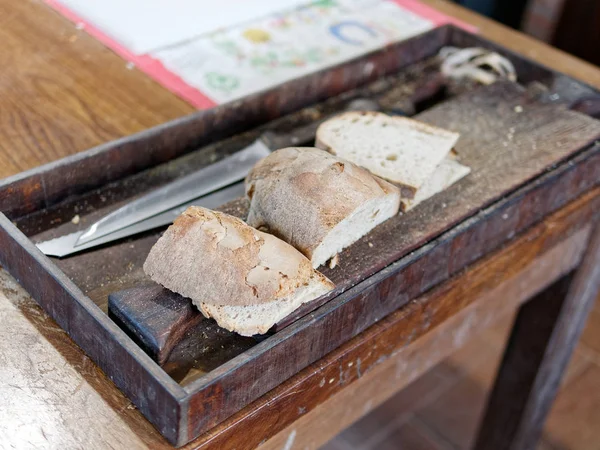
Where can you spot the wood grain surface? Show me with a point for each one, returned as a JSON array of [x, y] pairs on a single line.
[[72, 93], [63, 92]]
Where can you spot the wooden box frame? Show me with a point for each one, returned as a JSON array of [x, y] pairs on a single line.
[[182, 413]]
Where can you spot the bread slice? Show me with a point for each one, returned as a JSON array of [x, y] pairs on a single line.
[[398, 149], [316, 201], [258, 319], [446, 174], [216, 259]]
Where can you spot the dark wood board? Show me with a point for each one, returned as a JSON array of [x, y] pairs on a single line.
[[488, 122], [486, 119], [94, 182], [155, 318]]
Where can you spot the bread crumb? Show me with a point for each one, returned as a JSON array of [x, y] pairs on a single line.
[[518, 109], [333, 262], [75, 219], [368, 68]]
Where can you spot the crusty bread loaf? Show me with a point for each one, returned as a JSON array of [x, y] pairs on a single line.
[[398, 149], [446, 174], [316, 201], [216, 259]]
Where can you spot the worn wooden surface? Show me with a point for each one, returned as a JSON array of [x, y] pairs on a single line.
[[72, 403], [38, 191], [155, 317], [541, 344]]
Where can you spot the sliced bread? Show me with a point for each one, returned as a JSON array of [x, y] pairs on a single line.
[[258, 319], [398, 149], [446, 174], [216, 259], [317, 202]]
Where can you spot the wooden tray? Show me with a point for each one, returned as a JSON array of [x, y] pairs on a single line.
[[529, 153]]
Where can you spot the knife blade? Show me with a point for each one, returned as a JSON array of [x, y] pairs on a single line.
[[204, 181], [67, 244]]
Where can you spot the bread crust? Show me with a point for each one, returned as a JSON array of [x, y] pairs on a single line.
[[217, 259], [301, 193]]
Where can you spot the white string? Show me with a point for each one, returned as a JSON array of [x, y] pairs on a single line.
[[476, 63]]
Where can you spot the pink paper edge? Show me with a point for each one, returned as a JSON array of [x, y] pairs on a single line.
[[157, 71], [150, 66], [437, 17]]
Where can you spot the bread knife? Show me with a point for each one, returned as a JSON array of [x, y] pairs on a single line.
[[229, 170], [66, 245]]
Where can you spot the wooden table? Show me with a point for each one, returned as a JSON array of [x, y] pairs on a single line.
[[63, 92]]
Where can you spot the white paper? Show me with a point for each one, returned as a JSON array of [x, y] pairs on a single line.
[[260, 54], [143, 26]]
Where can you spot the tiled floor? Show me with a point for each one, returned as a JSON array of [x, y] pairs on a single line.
[[441, 410]]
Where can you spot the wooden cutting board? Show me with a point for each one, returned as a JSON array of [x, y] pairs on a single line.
[[508, 137]]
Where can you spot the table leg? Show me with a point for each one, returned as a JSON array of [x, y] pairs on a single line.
[[542, 340]]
